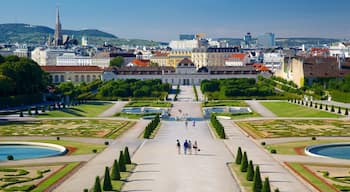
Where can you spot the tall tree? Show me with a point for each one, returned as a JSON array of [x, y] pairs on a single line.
[[117, 61]]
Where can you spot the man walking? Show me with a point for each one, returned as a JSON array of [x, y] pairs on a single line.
[[178, 145], [185, 147]]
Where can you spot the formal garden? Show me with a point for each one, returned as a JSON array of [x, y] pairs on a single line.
[[295, 128], [324, 177], [34, 178], [69, 128]]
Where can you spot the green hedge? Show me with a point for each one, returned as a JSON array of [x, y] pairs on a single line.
[[21, 100], [217, 126], [151, 127]]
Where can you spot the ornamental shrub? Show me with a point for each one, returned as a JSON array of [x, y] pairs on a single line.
[[239, 156]]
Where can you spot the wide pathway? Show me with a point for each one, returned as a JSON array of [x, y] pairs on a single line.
[[278, 175], [85, 177], [160, 167], [256, 106], [117, 107]]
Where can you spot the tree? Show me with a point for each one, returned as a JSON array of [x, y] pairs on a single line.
[[122, 166], [115, 171], [239, 156], [153, 64], [266, 186], [250, 172], [117, 61], [346, 111], [97, 186], [127, 155], [257, 185], [277, 190], [244, 165], [107, 185]]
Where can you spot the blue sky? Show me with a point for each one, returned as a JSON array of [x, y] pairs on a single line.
[[165, 19]]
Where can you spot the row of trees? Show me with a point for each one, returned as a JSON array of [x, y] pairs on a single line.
[[219, 128], [237, 87], [118, 166], [151, 127], [252, 175], [132, 88], [21, 76], [319, 106]]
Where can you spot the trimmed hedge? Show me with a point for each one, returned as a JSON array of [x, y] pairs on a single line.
[[217, 126], [151, 127]]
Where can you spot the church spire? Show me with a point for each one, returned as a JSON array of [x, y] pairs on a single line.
[[58, 36]]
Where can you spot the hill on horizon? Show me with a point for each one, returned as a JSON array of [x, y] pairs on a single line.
[[38, 35]]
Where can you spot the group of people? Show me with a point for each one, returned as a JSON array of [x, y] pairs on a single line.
[[188, 147]]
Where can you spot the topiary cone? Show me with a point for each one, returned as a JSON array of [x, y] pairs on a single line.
[[107, 185], [239, 156], [97, 185], [115, 175], [122, 166], [244, 165], [127, 155]]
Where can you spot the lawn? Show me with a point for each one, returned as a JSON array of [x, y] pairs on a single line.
[[288, 148], [55, 177], [80, 147], [148, 104], [311, 178], [284, 109], [92, 109], [134, 116], [236, 116], [235, 103], [295, 128], [242, 177], [70, 128]]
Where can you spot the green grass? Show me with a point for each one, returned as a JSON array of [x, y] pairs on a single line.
[[236, 116], [284, 109], [247, 185], [295, 128], [91, 109], [224, 103], [81, 148], [51, 180], [148, 104], [134, 116], [311, 178], [288, 148], [70, 128]]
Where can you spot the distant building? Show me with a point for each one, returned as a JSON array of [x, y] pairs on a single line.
[[202, 57], [341, 49], [75, 74], [185, 73], [46, 57], [84, 41], [273, 60], [187, 36], [22, 52], [248, 41], [175, 56], [266, 41], [71, 59], [162, 59], [237, 59], [127, 56], [184, 44], [139, 63], [304, 70]]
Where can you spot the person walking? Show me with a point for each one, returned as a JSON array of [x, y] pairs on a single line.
[[194, 123], [189, 147], [178, 145], [195, 147], [185, 147], [186, 123]]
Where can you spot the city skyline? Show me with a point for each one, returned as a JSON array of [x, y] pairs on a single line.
[[164, 21]]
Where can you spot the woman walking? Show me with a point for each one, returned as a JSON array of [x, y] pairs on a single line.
[[195, 147]]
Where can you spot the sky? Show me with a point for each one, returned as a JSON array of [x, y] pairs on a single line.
[[164, 20]]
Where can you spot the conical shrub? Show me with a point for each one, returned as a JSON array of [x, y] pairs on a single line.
[[250, 172], [266, 186], [257, 185], [115, 175], [122, 166], [239, 156], [277, 190], [339, 110], [244, 165], [97, 186], [346, 111], [127, 156], [332, 109], [107, 185]]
